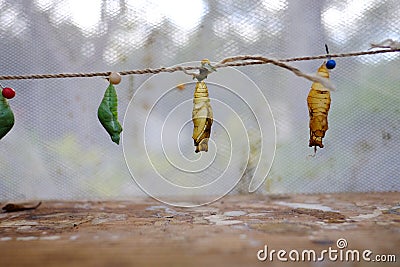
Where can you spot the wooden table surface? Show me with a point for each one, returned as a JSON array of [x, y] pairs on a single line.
[[230, 232]]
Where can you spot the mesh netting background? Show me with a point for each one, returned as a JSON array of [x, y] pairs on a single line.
[[58, 149]]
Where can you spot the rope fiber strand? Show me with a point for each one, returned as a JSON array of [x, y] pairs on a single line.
[[236, 61]]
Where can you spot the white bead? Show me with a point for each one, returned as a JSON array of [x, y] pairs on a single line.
[[115, 78]]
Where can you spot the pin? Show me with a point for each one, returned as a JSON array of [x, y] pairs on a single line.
[[330, 64]]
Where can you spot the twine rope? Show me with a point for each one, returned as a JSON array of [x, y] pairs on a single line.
[[236, 61]]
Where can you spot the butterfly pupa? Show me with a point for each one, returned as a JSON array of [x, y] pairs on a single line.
[[6, 116], [318, 101], [108, 114], [202, 117]]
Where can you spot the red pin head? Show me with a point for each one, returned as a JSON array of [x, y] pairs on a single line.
[[8, 92]]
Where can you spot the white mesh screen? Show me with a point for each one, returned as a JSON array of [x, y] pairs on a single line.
[[58, 149]]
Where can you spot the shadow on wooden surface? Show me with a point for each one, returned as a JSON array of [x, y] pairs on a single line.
[[230, 232]]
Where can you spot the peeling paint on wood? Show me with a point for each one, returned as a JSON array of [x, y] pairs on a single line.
[[143, 232]]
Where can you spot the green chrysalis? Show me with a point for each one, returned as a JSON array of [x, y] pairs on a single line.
[[6, 116], [108, 114]]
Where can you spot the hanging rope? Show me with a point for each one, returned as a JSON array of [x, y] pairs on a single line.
[[236, 61]]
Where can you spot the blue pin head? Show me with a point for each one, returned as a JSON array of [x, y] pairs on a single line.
[[330, 64]]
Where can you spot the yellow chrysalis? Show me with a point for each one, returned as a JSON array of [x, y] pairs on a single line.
[[318, 101], [202, 117]]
